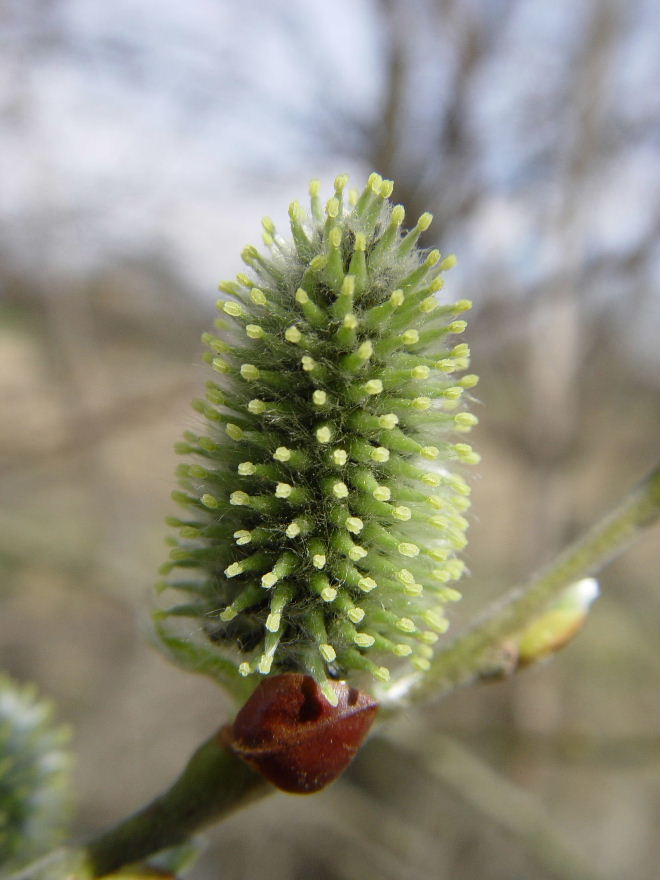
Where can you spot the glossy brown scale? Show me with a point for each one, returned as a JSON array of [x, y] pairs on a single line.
[[293, 736]]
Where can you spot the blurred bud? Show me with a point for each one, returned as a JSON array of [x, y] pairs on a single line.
[[558, 623]]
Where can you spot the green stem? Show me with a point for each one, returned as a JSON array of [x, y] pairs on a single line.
[[213, 784], [471, 655]]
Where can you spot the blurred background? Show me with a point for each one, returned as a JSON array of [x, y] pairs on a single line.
[[140, 144]]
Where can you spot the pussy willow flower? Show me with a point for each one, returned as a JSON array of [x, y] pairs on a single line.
[[324, 509], [34, 776]]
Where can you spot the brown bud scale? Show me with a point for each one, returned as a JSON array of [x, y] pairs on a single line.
[[293, 736]]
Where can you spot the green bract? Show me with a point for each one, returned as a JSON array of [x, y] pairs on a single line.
[[322, 519]]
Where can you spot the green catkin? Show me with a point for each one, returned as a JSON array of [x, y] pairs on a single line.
[[323, 520]]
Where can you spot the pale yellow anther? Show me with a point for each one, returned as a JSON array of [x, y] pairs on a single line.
[[273, 621], [234, 431], [382, 673], [465, 420], [250, 372], [292, 530], [308, 363], [228, 614], [421, 663], [335, 237], [314, 187], [328, 594], [402, 650], [430, 452], [220, 365], [340, 490], [318, 560], [246, 469], [382, 493], [449, 262], [421, 403], [405, 624], [469, 381], [295, 210], [256, 406], [258, 297], [282, 454], [374, 182], [350, 321], [339, 457], [367, 584], [232, 308], [254, 331], [432, 258], [354, 524], [239, 499], [405, 576], [209, 501], [398, 214], [323, 434], [319, 398], [413, 589], [365, 350], [242, 536], [436, 621], [410, 337], [268, 580], [380, 454], [397, 298], [356, 553], [355, 615], [265, 663], [244, 669], [430, 480], [348, 286], [360, 242], [420, 372], [424, 221], [332, 210], [234, 569], [386, 188], [363, 640], [373, 386], [428, 305], [302, 296], [402, 513], [292, 334], [283, 490], [327, 652], [388, 421], [406, 549], [340, 182]]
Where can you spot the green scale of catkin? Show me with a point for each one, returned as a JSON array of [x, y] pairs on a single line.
[[323, 511]]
